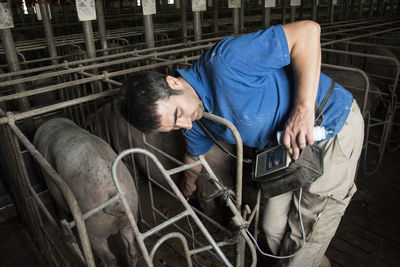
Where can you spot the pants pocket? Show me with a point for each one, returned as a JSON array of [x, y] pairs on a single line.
[[329, 218]]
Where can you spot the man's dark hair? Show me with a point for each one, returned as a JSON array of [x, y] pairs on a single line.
[[137, 99]]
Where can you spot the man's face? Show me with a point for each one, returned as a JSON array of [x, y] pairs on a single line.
[[179, 111]]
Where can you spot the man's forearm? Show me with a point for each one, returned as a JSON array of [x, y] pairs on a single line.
[[190, 177], [305, 53]]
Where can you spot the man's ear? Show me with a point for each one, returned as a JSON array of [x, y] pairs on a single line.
[[174, 83]]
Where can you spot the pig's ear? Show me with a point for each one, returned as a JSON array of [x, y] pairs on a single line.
[[174, 83]]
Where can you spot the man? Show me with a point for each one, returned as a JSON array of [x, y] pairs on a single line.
[[263, 82]]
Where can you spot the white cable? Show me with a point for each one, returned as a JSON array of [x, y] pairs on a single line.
[[302, 233]]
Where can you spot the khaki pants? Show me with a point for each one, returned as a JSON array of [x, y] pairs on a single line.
[[323, 202]]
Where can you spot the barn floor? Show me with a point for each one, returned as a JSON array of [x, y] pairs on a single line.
[[369, 234]]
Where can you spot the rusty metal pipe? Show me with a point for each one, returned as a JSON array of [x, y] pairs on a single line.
[[89, 39], [148, 30], [48, 30], [184, 20], [197, 25]]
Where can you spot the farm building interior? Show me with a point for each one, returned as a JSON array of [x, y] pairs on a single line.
[[69, 59]]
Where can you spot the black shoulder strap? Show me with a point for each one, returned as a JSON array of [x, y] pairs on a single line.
[[318, 113], [318, 121], [205, 130]]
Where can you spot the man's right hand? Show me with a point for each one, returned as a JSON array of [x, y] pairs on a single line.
[[188, 184], [188, 187]]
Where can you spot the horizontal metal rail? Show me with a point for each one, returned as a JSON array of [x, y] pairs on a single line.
[[57, 179], [140, 237]]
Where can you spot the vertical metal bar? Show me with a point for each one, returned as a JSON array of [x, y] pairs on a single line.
[[371, 9], [197, 25], [301, 9], [89, 39], [267, 17], [13, 64], [284, 7], [184, 19], [392, 5], [235, 20], [17, 176], [69, 197], [360, 9], [215, 14], [292, 13], [331, 11], [380, 8], [101, 24], [341, 12], [148, 30], [242, 4], [48, 30], [347, 11], [314, 10]]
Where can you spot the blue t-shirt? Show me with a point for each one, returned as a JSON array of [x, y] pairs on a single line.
[[247, 81]]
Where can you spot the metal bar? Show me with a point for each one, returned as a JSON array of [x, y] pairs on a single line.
[[284, 7], [43, 110], [267, 17], [257, 207], [240, 249], [292, 13], [173, 235], [96, 209], [101, 25], [178, 195], [171, 194], [131, 53], [189, 235], [238, 220], [362, 73], [215, 15], [165, 224], [359, 36], [183, 168], [68, 195], [239, 152], [314, 10], [197, 25], [148, 30], [235, 20], [371, 8], [42, 206], [89, 39], [331, 11], [242, 17], [184, 19], [13, 63], [17, 176], [48, 30], [50, 88], [360, 8], [81, 68], [209, 247]]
